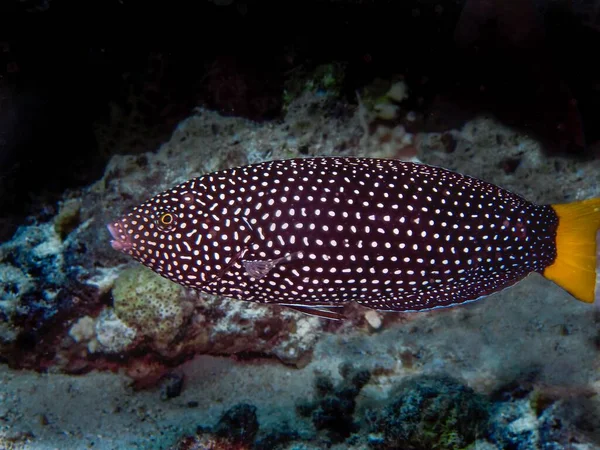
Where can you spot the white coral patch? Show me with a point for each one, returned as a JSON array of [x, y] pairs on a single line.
[[112, 333]]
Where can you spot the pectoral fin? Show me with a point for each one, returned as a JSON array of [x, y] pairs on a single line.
[[260, 268]]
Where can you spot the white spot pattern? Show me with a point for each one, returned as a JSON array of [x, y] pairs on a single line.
[[388, 234]]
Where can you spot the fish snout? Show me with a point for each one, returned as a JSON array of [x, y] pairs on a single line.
[[121, 241]]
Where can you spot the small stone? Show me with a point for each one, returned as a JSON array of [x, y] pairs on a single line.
[[373, 319], [83, 329], [172, 385]]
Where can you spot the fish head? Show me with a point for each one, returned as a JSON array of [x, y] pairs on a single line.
[[182, 234], [148, 228], [162, 232]]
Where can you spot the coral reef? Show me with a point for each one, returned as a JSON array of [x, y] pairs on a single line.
[[419, 412], [238, 424], [323, 80], [152, 305], [69, 304], [430, 412], [333, 408], [112, 335], [544, 417], [63, 303], [63, 270], [236, 430], [210, 326], [41, 292]]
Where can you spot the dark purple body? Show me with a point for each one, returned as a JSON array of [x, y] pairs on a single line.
[[388, 234]]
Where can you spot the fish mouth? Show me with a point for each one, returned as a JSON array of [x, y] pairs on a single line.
[[120, 242]]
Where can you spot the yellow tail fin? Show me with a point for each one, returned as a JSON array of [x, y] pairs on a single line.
[[576, 249]]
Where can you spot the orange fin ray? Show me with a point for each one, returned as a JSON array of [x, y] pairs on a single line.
[[576, 266]]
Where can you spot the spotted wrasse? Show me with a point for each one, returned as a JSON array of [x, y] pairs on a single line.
[[316, 233]]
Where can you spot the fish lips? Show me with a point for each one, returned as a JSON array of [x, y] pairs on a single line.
[[121, 241]]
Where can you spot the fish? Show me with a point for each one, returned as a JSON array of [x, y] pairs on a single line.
[[317, 233]]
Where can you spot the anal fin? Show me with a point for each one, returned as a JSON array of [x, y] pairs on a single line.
[[321, 311]]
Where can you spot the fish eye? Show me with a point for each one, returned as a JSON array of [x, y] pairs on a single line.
[[165, 220]]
